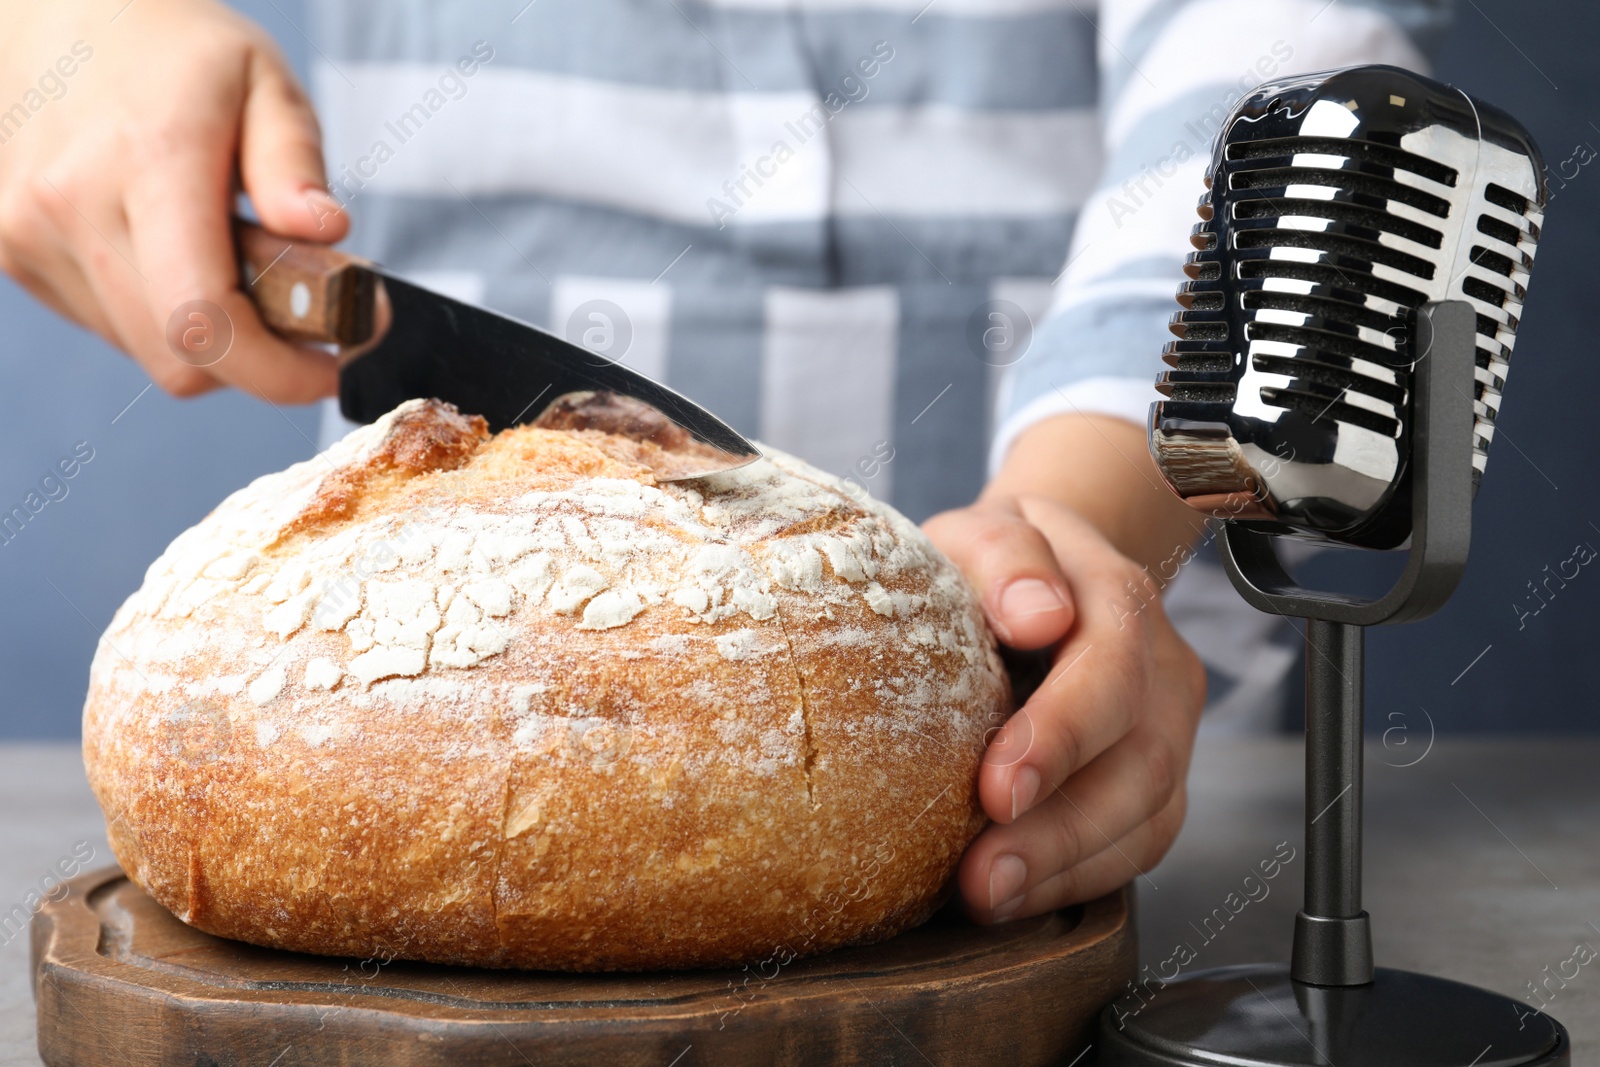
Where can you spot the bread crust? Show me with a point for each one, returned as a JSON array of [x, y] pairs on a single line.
[[509, 702]]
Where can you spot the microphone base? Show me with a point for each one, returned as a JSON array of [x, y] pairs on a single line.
[[1255, 1015], [1332, 951]]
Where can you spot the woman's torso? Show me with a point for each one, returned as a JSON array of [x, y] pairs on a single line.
[[802, 218]]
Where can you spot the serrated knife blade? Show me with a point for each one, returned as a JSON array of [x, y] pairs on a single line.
[[485, 363]]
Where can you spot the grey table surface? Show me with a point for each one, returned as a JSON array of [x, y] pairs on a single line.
[[1481, 864]]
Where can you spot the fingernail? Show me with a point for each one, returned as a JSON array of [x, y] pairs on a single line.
[[1024, 789], [1029, 596], [1006, 910], [1006, 876]]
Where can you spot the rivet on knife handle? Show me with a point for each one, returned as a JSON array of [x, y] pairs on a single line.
[[305, 291]]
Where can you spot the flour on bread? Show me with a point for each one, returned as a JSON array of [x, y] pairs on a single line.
[[440, 590]]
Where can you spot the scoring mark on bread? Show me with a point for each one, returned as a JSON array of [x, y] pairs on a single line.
[[808, 749]]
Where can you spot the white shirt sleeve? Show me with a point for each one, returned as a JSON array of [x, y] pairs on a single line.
[[1170, 72]]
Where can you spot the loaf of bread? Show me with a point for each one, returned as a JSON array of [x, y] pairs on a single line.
[[510, 701]]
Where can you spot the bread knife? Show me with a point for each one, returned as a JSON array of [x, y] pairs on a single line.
[[399, 340]]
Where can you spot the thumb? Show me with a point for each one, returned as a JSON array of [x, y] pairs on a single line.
[[280, 156]]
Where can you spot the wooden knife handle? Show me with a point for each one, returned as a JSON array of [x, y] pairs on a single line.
[[305, 291]]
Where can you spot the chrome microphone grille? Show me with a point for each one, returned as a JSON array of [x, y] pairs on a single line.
[[1338, 204]]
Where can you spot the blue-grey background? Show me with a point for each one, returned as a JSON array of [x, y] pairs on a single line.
[[162, 464]]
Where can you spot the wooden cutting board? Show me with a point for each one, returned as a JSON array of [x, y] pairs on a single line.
[[119, 981]]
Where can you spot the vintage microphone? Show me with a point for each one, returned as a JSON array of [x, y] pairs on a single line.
[[1359, 272]]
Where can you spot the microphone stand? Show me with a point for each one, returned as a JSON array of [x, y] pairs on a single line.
[[1332, 1005]]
